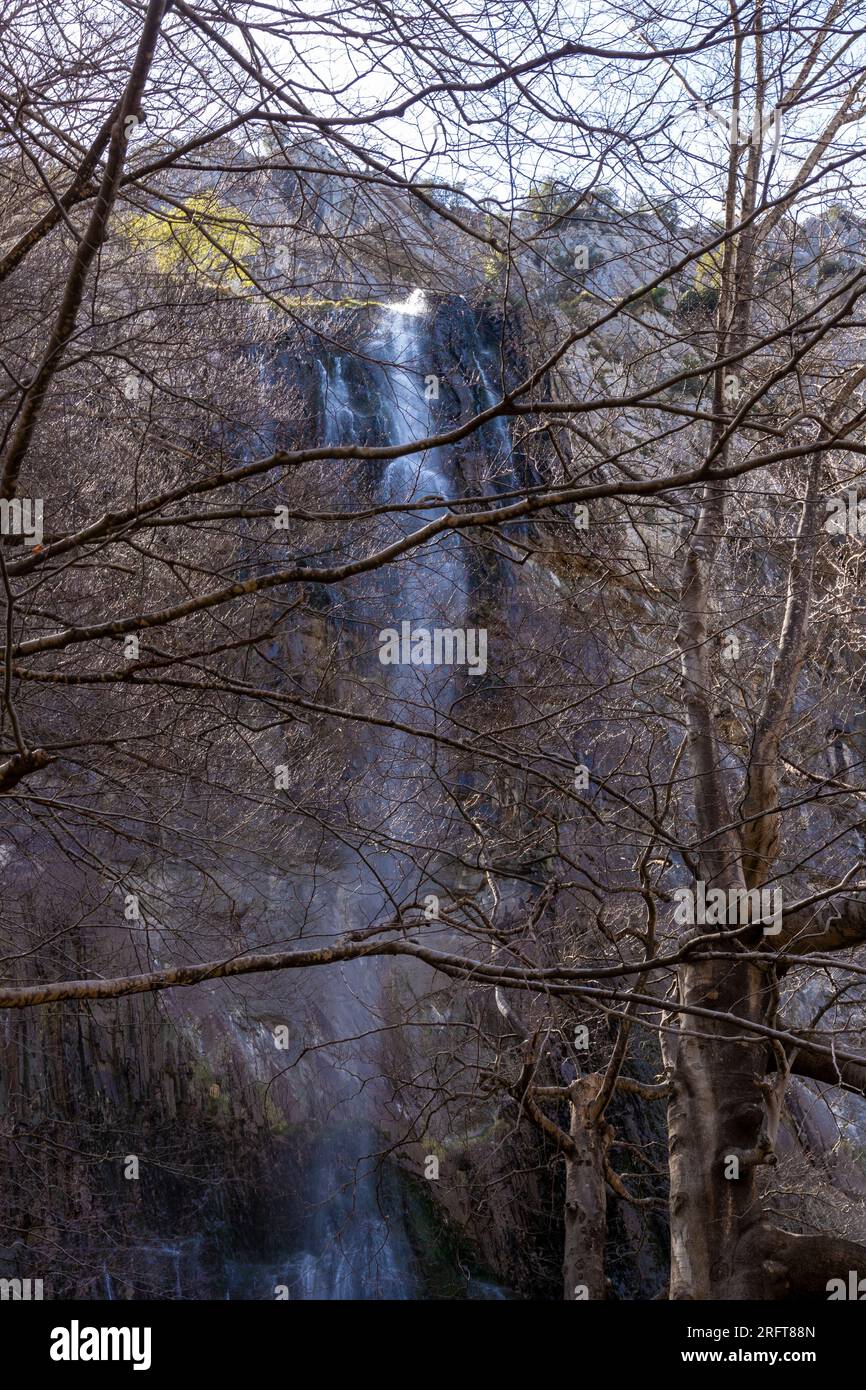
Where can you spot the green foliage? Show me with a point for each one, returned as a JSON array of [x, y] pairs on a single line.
[[698, 301], [666, 212], [704, 296], [692, 386], [837, 213], [830, 268], [552, 199], [657, 297], [670, 214]]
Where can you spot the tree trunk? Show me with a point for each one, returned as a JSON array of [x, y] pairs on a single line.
[[585, 1196], [718, 1136]]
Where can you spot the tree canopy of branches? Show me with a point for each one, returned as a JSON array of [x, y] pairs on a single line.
[[534, 320]]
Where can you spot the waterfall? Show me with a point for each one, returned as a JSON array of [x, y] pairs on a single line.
[[428, 589], [354, 1242]]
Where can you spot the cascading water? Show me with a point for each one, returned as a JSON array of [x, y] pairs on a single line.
[[433, 585], [429, 589], [354, 1242]]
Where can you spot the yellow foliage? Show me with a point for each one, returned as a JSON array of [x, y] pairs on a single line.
[[204, 237], [708, 271]]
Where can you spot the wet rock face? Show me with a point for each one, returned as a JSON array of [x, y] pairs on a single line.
[[184, 1184], [154, 1161]]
